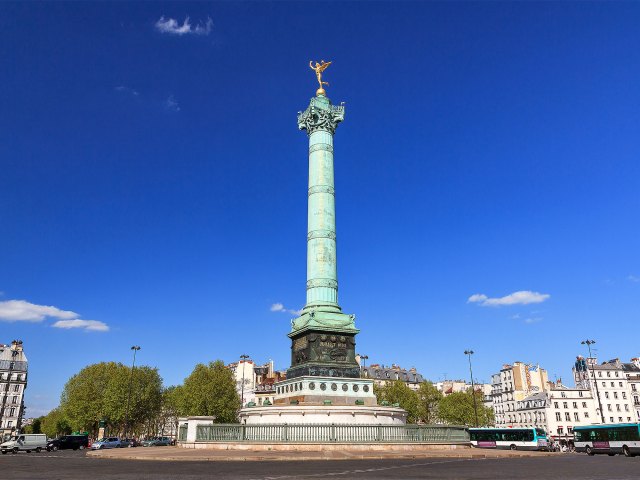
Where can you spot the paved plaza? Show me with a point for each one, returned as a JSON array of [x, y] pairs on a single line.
[[78, 465]]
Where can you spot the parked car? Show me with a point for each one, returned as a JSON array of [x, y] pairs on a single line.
[[107, 442], [75, 442], [129, 443], [157, 442], [26, 442]]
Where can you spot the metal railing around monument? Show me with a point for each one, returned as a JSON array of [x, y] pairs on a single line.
[[310, 433]]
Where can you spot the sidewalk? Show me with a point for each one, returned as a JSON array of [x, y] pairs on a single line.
[[187, 454]]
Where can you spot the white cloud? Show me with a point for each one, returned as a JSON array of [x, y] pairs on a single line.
[[123, 89], [22, 311], [633, 278], [88, 325], [523, 297], [533, 320], [171, 104], [173, 27], [279, 307]]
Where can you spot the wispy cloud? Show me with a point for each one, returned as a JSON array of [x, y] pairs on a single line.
[[171, 104], [88, 325], [23, 311], [124, 89], [172, 27], [279, 307], [633, 278], [532, 320], [522, 297]]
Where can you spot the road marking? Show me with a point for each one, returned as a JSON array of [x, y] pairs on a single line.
[[368, 470]]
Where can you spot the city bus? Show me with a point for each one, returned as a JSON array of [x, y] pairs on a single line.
[[610, 439], [509, 438]]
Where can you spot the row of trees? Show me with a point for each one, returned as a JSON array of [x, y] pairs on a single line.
[[134, 402], [428, 405]]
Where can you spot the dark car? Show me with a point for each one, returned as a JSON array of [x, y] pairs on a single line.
[[129, 443], [74, 442]]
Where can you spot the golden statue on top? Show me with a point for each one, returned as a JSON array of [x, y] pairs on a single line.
[[319, 68]]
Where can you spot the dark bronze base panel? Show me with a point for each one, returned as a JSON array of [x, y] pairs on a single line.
[[323, 354]]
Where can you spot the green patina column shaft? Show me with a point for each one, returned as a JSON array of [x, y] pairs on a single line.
[[320, 121]]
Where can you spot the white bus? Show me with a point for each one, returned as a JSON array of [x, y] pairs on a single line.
[[610, 439], [509, 438]]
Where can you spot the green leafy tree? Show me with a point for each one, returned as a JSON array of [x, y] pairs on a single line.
[[170, 410], [398, 392], [428, 402], [55, 423], [101, 391], [210, 390], [457, 409]]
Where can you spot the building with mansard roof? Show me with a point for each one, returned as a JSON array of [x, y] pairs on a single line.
[[13, 382]]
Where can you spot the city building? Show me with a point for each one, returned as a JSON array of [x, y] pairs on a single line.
[[381, 375], [557, 410], [13, 382], [512, 384], [255, 383], [616, 386]]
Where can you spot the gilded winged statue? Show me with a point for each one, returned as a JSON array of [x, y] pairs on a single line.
[[319, 68]]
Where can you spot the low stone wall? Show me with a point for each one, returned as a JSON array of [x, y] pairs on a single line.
[[326, 447]]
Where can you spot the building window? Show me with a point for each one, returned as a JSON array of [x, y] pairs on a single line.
[[12, 412], [584, 404], [575, 404], [567, 417], [604, 384], [558, 416], [606, 394], [615, 395], [620, 384], [569, 430], [563, 394], [10, 423], [620, 419], [16, 388], [580, 393], [624, 395], [586, 414], [600, 374], [609, 407], [626, 407], [555, 404], [633, 387], [608, 374], [618, 407], [616, 374], [576, 416], [565, 405], [560, 431]]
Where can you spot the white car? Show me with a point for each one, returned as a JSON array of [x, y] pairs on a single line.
[[26, 442], [107, 442]]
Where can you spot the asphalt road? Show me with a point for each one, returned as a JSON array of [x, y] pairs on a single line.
[[65, 465]]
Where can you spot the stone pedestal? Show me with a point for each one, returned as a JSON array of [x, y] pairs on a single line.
[[323, 415]]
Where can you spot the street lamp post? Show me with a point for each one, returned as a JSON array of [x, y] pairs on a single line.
[[588, 343], [468, 353], [243, 358], [135, 349], [364, 359]]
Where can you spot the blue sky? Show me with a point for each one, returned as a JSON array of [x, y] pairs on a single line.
[[153, 181]]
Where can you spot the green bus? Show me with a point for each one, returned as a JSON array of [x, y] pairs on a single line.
[[612, 439], [509, 438]]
